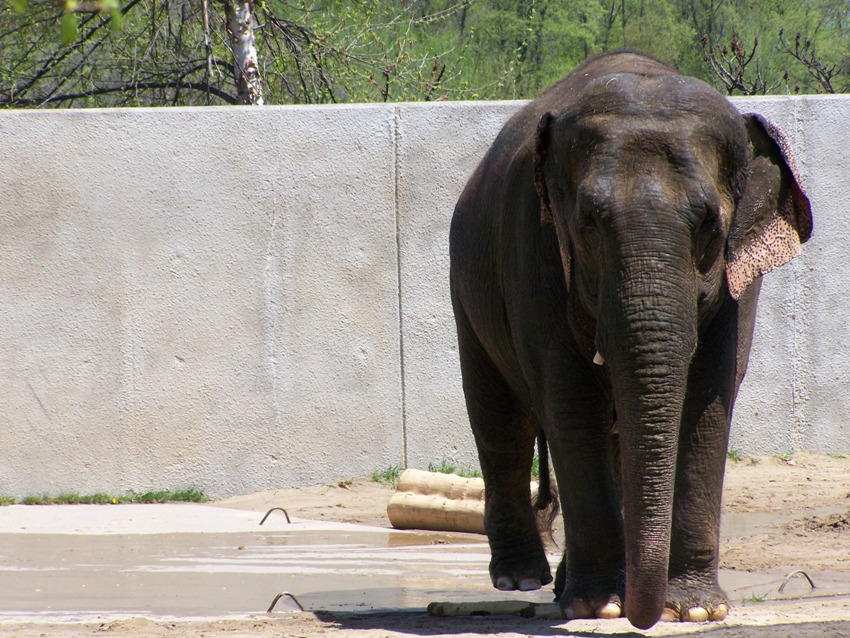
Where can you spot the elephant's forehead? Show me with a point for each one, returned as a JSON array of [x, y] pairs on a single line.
[[637, 146], [632, 96]]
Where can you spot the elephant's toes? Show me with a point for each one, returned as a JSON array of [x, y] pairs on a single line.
[[506, 583], [579, 608], [695, 614], [692, 602], [613, 608], [590, 595], [523, 576]]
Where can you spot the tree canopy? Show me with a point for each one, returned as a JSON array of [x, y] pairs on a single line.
[[181, 52]]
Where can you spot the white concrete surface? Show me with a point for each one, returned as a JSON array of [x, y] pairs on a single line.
[[241, 299], [165, 518]]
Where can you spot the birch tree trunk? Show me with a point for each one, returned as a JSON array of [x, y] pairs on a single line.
[[240, 28]]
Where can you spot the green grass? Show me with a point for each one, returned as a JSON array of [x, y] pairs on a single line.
[[837, 457], [535, 467], [7, 500], [190, 495], [785, 456], [391, 475], [388, 477], [755, 598], [734, 455], [754, 460], [447, 467]]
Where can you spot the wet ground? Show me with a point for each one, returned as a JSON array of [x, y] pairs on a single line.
[[158, 561], [111, 567], [143, 571]]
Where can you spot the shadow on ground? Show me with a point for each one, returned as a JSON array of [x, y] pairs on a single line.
[[420, 624]]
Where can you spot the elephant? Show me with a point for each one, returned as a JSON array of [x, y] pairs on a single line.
[[606, 257]]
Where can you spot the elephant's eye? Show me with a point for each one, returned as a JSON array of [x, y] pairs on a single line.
[[707, 240], [588, 231]]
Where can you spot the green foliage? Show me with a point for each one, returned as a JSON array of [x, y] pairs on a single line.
[[190, 495], [388, 477], [7, 500], [143, 52], [734, 455], [756, 598]]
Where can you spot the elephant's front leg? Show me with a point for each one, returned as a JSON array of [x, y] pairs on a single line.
[[693, 591], [590, 580]]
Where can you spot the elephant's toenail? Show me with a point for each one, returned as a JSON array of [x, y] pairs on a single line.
[[696, 614], [669, 615], [720, 612], [529, 584], [578, 609], [505, 583], [609, 610]]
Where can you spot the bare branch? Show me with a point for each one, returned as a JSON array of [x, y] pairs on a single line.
[[128, 88], [806, 55], [734, 67]]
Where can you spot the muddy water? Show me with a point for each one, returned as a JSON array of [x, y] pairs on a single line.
[[224, 574], [58, 576]]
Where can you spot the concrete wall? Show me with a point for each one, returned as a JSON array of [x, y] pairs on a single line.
[[239, 299]]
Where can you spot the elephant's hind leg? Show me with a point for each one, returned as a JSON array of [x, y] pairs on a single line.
[[505, 439]]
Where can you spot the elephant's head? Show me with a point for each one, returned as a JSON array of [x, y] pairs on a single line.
[[666, 202]]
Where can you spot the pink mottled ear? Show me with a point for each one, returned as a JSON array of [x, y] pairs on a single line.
[[774, 216]]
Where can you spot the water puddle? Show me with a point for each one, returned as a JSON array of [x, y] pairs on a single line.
[[227, 574], [341, 568]]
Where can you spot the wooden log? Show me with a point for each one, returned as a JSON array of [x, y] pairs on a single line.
[[438, 502]]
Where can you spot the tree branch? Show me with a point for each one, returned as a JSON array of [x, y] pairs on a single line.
[[135, 86]]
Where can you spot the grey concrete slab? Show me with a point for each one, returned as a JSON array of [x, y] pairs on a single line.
[[200, 297], [242, 299], [438, 150]]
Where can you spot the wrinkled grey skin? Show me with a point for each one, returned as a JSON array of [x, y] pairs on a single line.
[[629, 211]]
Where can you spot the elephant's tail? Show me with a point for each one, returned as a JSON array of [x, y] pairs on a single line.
[[546, 506]]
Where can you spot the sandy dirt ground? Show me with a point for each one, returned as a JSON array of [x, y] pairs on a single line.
[[779, 516]]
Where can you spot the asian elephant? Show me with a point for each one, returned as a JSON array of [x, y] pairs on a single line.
[[606, 259]]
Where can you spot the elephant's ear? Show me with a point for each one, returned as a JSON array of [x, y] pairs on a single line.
[[774, 216], [541, 152]]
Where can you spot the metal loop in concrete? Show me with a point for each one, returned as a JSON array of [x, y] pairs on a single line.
[[272, 510], [281, 595]]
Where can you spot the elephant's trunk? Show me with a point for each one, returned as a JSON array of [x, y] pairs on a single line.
[[648, 338]]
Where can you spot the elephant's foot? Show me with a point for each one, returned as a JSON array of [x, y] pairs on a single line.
[[586, 595], [689, 600], [599, 608], [523, 573]]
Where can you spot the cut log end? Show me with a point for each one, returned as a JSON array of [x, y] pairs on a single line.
[[438, 502]]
